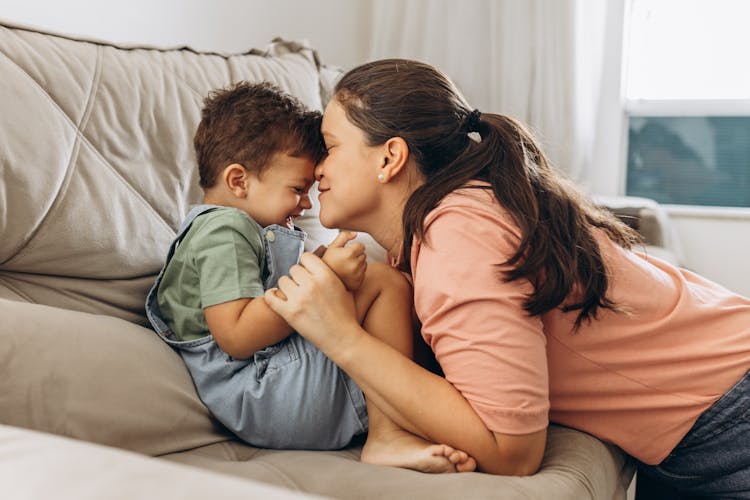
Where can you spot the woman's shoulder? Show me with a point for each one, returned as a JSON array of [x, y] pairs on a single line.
[[475, 201], [473, 192], [467, 230], [470, 213]]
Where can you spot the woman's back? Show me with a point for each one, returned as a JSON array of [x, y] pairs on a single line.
[[638, 378]]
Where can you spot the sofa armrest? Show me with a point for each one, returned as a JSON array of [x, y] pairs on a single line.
[[650, 220]]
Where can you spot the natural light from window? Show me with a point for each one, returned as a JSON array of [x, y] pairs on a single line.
[[688, 49]]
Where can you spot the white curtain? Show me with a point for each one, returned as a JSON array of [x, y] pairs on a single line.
[[539, 61]]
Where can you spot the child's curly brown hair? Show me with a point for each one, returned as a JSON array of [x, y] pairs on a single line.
[[247, 124]]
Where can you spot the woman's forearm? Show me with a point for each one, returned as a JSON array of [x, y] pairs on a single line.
[[316, 304], [428, 405]]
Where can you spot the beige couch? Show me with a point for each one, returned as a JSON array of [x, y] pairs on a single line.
[[97, 171]]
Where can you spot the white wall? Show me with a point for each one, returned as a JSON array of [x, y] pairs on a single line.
[[338, 29], [715, 244]]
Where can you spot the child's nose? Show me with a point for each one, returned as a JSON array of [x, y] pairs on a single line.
[[305, 202]]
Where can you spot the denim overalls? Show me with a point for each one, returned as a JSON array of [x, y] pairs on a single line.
[[288, 395]]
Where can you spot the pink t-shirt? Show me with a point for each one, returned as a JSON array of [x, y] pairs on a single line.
[[638, 380]]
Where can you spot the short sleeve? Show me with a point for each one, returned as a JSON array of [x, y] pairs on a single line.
[[227, 251], [489, 348]]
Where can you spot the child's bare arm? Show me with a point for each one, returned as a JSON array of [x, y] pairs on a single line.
[[349, 262], [243, 326]]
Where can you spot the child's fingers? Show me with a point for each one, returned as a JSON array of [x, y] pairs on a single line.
[[342, 239], [356, 248]]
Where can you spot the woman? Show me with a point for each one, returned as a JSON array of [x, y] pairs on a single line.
[[536, 304]]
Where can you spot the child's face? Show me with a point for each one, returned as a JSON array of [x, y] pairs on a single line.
[[280, 193]]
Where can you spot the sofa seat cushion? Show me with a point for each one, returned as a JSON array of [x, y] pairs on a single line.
[[108, 381], [575, 466]]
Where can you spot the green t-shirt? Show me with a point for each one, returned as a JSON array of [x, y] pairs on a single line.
[[220, 258]]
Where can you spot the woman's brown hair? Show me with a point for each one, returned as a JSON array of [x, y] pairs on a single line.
[[414, 101]]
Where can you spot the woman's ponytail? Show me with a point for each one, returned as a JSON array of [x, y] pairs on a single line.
[[453, 145]]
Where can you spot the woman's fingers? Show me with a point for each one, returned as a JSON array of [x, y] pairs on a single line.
[[299, 274], [273, 298], [283, 299], [284, 286], [314, 265], [317, 304], [303, 277]]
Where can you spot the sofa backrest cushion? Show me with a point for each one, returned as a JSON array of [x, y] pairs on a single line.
[[97, 163]]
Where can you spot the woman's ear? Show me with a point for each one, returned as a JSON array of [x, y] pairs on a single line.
[[396, 154], [236, 179]]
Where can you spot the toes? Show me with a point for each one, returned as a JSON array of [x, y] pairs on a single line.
[[441, 450], [457, 456], [445, 467], [469, 465]]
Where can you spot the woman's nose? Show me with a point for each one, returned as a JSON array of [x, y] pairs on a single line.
[[319, 170]]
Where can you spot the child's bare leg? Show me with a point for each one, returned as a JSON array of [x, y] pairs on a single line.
[[384, 305]]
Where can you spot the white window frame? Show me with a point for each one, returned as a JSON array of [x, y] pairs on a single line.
[[691, 107], [659, 107]]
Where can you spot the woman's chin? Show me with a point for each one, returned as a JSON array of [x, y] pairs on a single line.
[[327, 220]]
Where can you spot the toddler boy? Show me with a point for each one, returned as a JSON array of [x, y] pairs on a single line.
[[257, 149]]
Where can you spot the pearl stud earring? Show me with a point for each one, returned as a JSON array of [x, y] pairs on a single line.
[[381, 178]]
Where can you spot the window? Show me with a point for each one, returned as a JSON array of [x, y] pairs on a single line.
[[687, 86]]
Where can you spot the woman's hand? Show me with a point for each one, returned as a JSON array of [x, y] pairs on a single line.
[[314, 301]]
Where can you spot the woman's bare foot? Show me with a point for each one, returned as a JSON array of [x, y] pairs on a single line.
[[399, 448]]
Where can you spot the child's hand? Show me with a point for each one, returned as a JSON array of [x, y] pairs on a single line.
[[347, 261]]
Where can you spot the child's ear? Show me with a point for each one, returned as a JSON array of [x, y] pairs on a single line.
[[236, 178]]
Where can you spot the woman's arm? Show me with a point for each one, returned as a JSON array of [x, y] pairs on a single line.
[[319, 307], [428, 405]]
